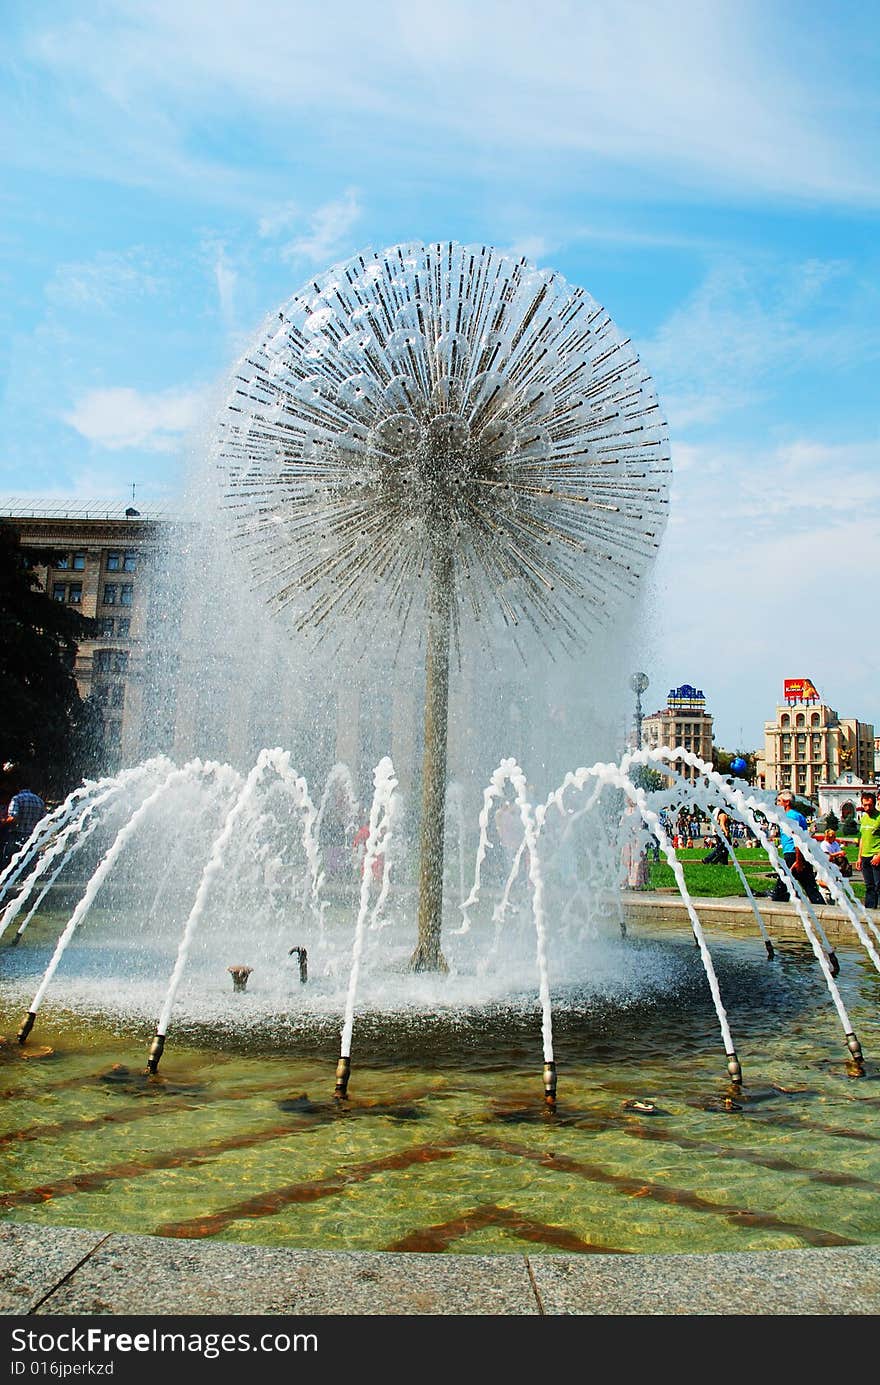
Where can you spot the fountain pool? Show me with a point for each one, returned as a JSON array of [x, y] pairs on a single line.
[[442, 1145]]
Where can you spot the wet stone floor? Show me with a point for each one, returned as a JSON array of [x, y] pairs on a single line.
[[445, 1144]]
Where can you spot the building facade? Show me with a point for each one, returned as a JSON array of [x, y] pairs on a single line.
[[807, 744], [685, 722], [102, 565]]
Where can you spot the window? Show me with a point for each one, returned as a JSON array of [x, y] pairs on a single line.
[[815, 719], [75, 593], [786, 720], [107, 624], [79, 562], [800, 719], [99, 693], [117, 695], [101, 661], [113, 732], [123, 625], [59, 592], [129, 562], [126, 593], [111, 591], [114, 561], [62, 562], [120, 661]]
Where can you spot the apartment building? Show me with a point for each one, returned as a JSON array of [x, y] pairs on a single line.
[[807, 745], [102, 564], [684, 721]]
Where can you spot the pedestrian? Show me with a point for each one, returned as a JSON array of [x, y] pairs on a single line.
[[633, 853], [833, 848], [719, 855], [793, 857], [868, 861], [26, 809], [359, 847]]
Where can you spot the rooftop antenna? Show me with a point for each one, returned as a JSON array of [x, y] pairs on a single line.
[[131, 512]]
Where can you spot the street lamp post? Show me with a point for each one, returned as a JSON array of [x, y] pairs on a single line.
[[638, 683]]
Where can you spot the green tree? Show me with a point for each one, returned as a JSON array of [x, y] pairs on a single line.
[[45, 728], [723, 759], [649, 779]]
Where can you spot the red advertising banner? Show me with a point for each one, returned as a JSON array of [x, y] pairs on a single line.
[[800, 690]]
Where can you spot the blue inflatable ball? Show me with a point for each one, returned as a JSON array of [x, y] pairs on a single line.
[[738, 765]]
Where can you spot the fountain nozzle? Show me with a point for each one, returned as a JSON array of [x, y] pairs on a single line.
[[833, 964], [343, 1072], [239, 976], [855, 1049], [156, 1050], [303, 958], [550, 1083], [27, 1026], [734, 1069], [769, 946]]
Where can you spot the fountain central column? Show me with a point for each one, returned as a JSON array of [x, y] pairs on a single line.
[[428, 956]]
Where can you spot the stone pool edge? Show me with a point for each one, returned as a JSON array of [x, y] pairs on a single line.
[[67, 1271]]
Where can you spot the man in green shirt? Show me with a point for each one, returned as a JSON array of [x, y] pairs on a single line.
[[869, 849]]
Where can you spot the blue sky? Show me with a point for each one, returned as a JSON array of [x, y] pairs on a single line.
[[173, 172]]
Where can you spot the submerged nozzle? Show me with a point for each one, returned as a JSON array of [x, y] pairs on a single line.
[[16, 937], [833, 964], [769, 946], [734, 1069], [550, 1083], [157, 1048], [27, 1026], [855, 1049], [343, 1072], [303, 959]]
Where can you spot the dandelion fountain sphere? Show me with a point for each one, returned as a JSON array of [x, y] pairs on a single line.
[[432, 453], [440, 434]]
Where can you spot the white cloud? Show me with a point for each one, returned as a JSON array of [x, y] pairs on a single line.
[[279, 220], [328, 228], [740, 97], [106, 281], [119, 418], [749, 325], [226, 280]]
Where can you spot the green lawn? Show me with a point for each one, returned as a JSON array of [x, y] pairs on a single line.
[[720, 881]]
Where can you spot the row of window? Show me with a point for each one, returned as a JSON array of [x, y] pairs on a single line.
[[121, 592], [116, 625], [110, 661], [114, 593], [115, 560], [109, 694]]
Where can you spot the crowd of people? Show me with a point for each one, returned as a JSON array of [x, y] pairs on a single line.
[[686, 830]]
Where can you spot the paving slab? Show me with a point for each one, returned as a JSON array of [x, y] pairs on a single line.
[[67, 1272], [144, 1275], [842, 1280], [33, 1261]]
